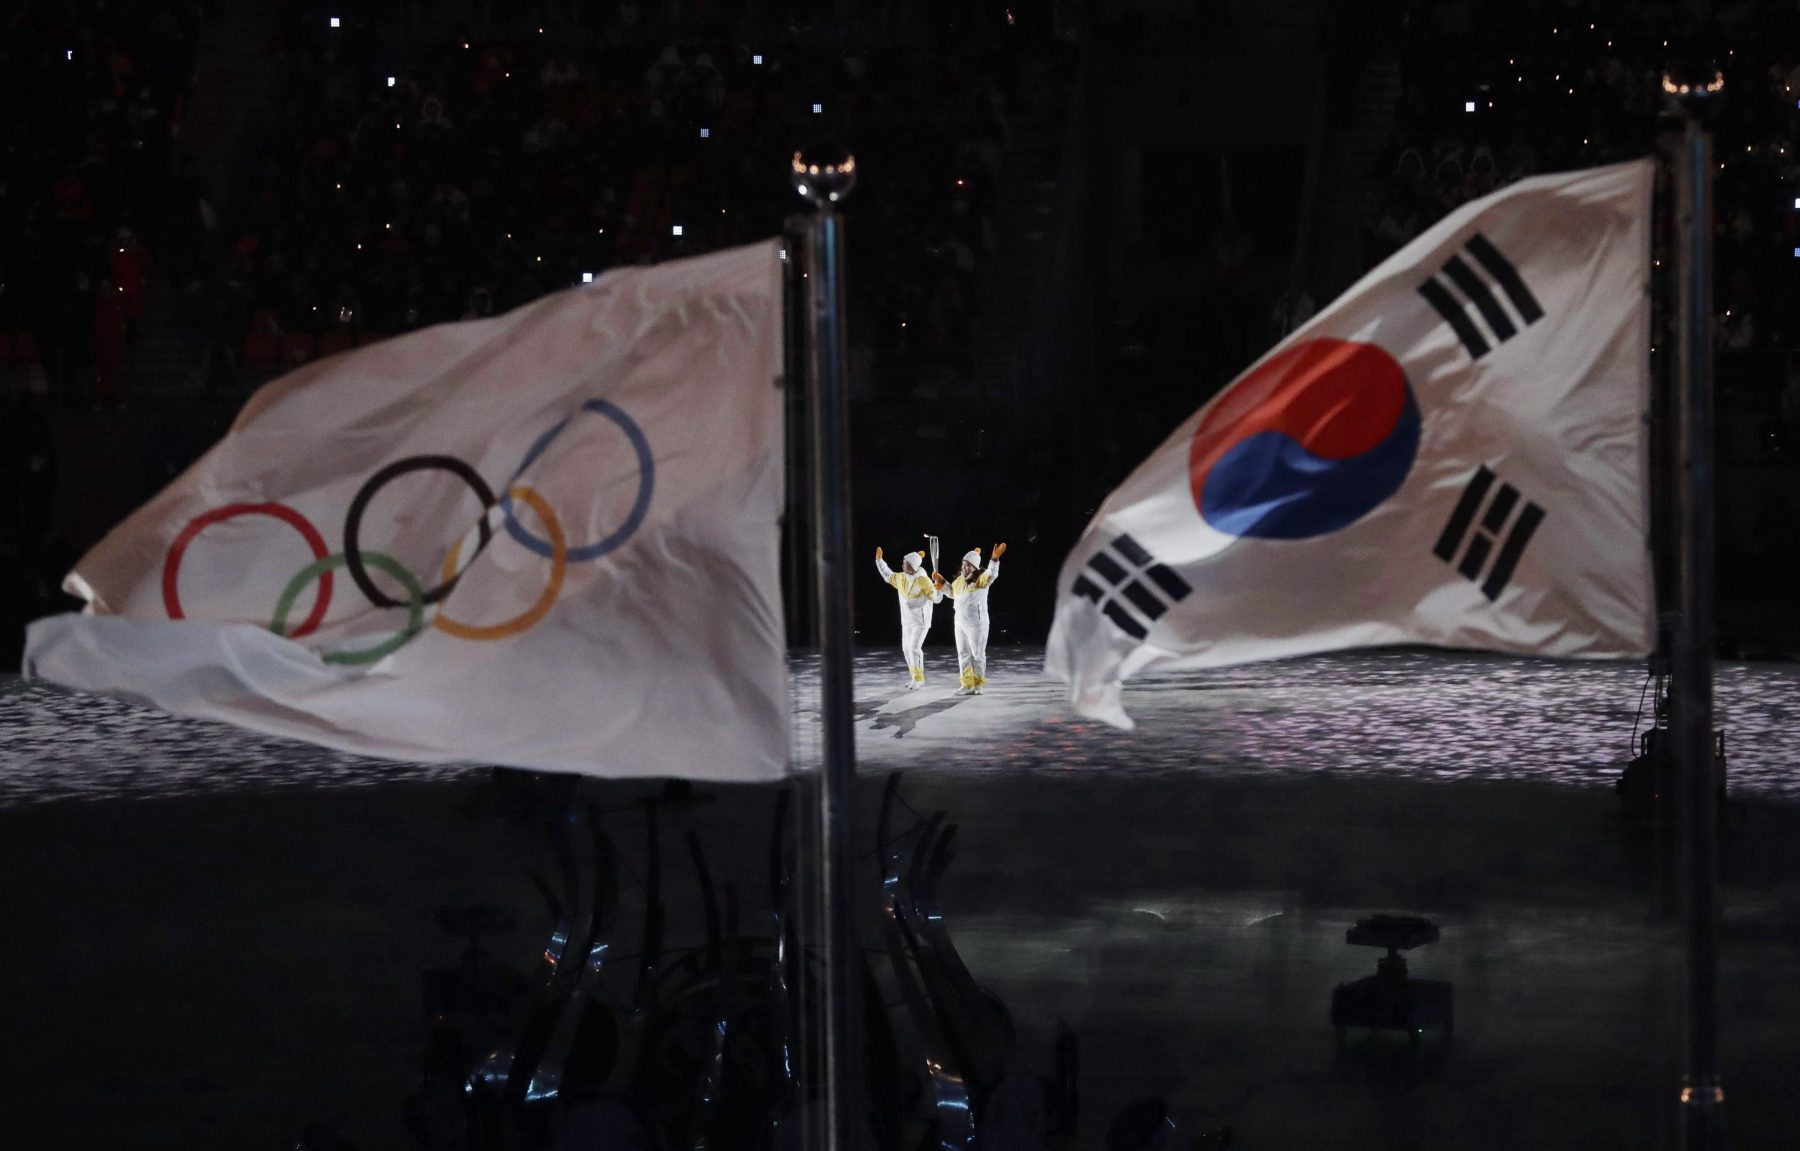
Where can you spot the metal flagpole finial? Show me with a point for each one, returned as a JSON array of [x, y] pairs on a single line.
[[824, 174], [1693, 87]]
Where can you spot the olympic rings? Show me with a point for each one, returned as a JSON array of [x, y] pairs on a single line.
[[559, 565], [415, 607], [353, 520], [639, 506], [172, 562], [357, 561]]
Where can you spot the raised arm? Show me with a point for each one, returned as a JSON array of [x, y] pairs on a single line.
[[992, 571], [886, 572]]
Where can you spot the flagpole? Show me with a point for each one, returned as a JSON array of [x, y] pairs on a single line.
[[1702, 1114], [823, 177]]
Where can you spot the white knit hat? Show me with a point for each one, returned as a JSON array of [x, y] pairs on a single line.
[[913, 561], [972, 556]]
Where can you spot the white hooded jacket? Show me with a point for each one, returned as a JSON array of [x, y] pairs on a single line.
[[970, 595], [916, 591]]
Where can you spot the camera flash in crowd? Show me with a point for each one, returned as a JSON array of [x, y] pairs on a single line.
[[756, 59], [390, 81], [1468, 105], [587, 277], [336, 23], [675, 231], [818, 108], [706, 133]]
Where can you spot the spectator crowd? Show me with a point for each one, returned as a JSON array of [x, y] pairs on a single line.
[[1492, 92], [97, 94], [411, 172]]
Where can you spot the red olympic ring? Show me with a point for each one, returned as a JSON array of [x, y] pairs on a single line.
[[315, 541]]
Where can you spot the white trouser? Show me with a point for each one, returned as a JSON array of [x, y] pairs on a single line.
[[913, 627], [971, 650]]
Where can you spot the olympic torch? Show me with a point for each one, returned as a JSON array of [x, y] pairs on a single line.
[[934, 553]]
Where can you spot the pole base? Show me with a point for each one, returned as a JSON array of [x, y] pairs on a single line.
[[1703, 1117]]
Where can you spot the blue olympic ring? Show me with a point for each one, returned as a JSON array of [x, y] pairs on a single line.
[[646, 486]]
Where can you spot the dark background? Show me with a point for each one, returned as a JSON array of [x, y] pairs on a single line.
[[1076, 221]]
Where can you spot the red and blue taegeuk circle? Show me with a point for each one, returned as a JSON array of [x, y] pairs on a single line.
[[1307, 443]]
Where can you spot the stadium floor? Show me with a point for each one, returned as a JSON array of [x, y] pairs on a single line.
[[216, 959]]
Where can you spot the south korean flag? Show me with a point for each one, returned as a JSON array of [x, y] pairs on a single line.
[[1453, 453]]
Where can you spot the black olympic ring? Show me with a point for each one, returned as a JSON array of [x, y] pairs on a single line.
[[353, 559]]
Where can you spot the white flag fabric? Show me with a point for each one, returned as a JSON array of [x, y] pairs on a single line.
[[545, 540], [1452, 454]]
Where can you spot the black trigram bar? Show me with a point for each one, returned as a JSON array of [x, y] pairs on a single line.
[[1464, 513], [1133, 551], [1126, 621], [1498, 509], [1173, 585], [1501, 269], [1481, 542], [1459, 321], [1511, 550], [1107, 567], [1469, 282], [1476, 289], [1120, 578]]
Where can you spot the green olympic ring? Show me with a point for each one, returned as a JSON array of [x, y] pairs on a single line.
[[415, 605]]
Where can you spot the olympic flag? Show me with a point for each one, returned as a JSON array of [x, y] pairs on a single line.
[[1452, 453], [544, 540]]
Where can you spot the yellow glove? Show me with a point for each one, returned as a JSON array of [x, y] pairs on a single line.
[[937, 579], [877, 553], [999, 550]]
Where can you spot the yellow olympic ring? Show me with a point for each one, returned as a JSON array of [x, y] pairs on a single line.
[[559, 563]]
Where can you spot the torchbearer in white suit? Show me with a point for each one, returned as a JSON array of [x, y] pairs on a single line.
[[969, 592], [917, 593]]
